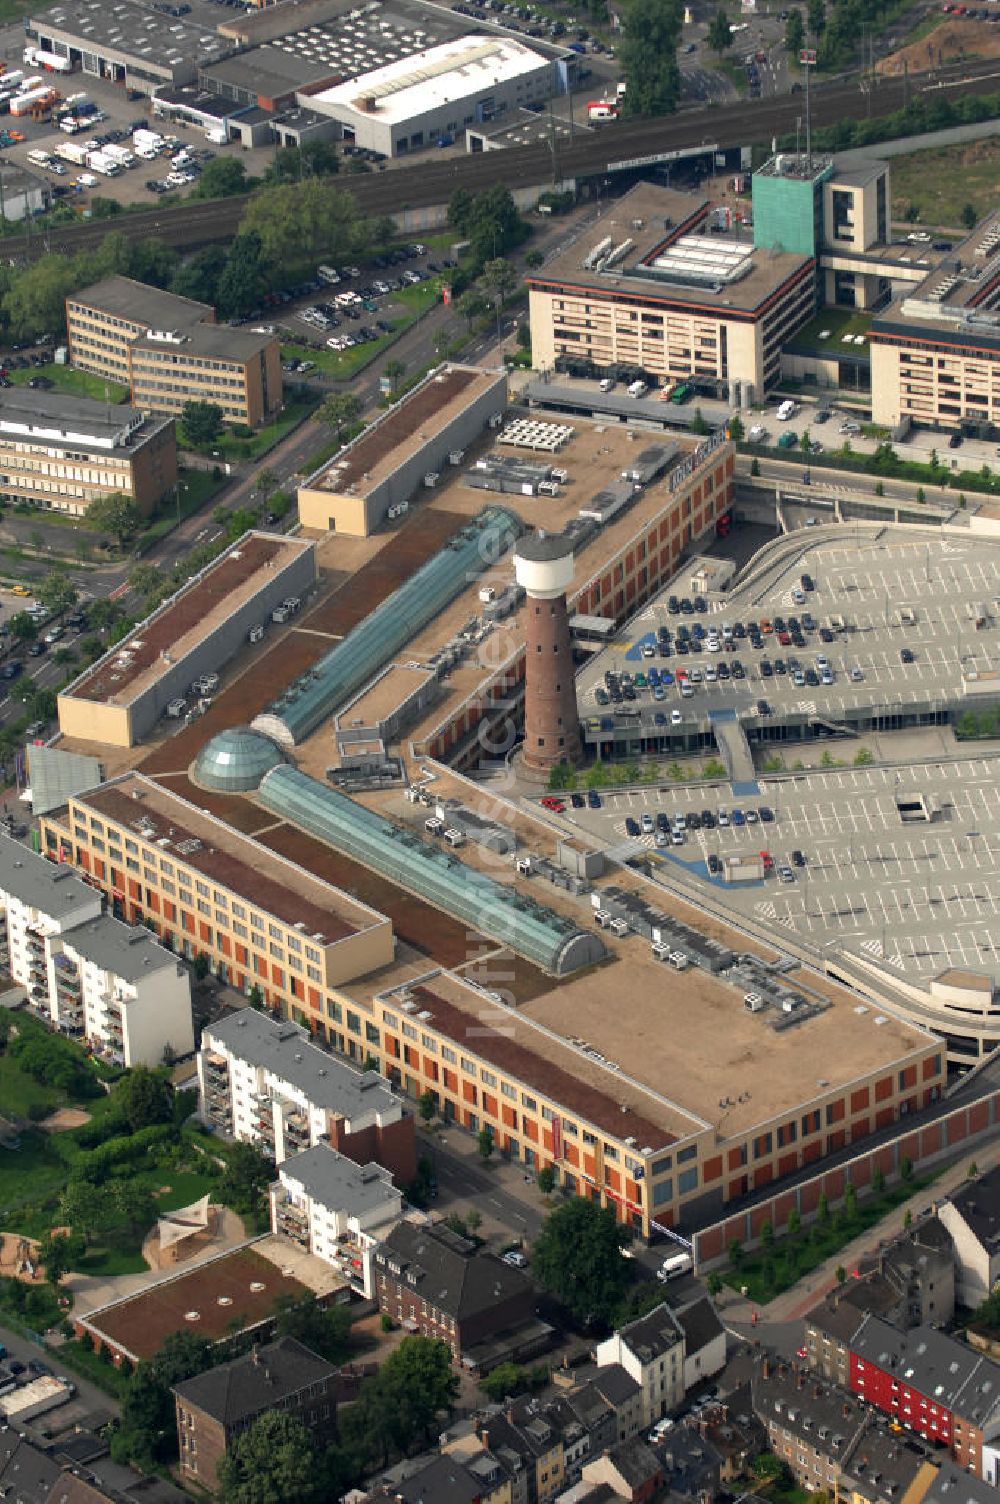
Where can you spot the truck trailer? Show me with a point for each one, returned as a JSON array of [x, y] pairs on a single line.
[[36, 1398]]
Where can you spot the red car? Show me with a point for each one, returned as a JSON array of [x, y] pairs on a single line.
[[555, 805]]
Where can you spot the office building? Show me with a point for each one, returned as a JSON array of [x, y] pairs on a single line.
[[935, 352], [337, 1210], [263, 1081], [217, 1406], [85, 973], [61, 453], [668, 289], [169, 350]]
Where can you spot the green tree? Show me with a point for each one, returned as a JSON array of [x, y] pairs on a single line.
[[115, 514], [221, 178], [247, 1175], [906, 1168], [534, 259], [735, 1252], [840, 1274], [500, 277], [816, 16], [720, 33], [325, 1329], [202, 421], [427, 1106], [969, 216], [241, 282], [698, 424], [56, 592], [23, 628], [735, 429], [495, 225], [878, 1181], [419, 1380], [505, 1381], [577, 1257], [766, 1235], [546, 1180], [35, 301], [484, 1142], [143, 1097], [144, 579], [794, 1221], [822, 1210], [713, 1283], [339, 411], [395, 370], [795, 33], [57, 1254], [648, 56], [805, 442], [300, 223], [767, 1465], [472, 306], [850, 1201], [271, 1462], [199, 277]]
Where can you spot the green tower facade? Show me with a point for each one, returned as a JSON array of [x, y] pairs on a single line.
[[788, 203]]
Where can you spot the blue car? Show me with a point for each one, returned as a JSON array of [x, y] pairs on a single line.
[[666, 677], [738, 817], [653, 677], [593, 799]]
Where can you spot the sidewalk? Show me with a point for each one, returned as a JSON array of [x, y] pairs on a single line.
[[737, 1313]]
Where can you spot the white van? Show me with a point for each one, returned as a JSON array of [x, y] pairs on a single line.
[[673, 1267], [638, 389], [786, 411], [607, 385]]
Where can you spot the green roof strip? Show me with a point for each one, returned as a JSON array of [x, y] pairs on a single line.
[[396, 621], [498, 910]]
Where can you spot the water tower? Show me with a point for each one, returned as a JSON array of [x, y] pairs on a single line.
[[543, 563]]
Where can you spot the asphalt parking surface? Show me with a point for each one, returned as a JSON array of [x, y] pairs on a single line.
[[868, 585], [919, 894]]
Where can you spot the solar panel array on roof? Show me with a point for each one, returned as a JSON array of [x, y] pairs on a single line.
[[368, 646], [496, 909]]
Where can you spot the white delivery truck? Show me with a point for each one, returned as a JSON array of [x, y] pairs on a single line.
[[36, 1398], [674, 1266]]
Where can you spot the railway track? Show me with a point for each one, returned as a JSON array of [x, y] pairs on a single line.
[[190, 225]]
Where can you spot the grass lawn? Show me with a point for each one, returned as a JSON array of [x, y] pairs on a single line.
[[111, 1261], [84, 1361], [196, 487], [228, 446], [838, 322], [938, 184], [31, 1172], [19, 1092], [735, 72], [77, 383]]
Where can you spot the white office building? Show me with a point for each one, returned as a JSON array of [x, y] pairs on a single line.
[[84, 972], [336, 1209], [262, 1080]]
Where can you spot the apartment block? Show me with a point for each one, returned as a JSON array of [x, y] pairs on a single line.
[[665, 287], [217, 1406], [85, 973], [931, 1384], [971, 1216], [651, 1351], [263, 1081], [437, 1283], [336, 1210], [61, 453], [206, 889], [170, 350]]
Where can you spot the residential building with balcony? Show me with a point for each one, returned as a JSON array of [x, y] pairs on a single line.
[[264, 1081], [336, 1209], [84, 972], [217, 1406], [651, 1351]]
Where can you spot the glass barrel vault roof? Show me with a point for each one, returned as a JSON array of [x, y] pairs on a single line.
[[550, 940], [368, 646]]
